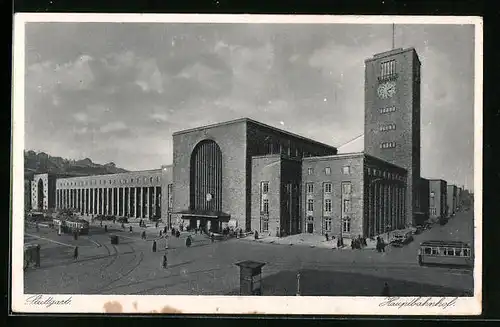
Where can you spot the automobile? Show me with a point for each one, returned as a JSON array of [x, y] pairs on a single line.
[[401, 239], [419, 230]]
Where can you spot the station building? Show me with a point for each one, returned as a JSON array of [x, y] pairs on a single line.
[[259, 178]]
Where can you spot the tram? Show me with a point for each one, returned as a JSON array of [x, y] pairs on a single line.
[[445, 253], [71, 225]]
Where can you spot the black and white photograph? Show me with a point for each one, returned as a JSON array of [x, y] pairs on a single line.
[[237, 163]]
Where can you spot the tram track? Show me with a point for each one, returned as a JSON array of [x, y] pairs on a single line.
[[134, 263]]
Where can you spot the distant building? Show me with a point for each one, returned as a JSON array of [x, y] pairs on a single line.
[[451, 199], [424, 189], [43, 192], [437, 199]]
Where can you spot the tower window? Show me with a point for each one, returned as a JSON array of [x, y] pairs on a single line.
[[387, 127], [387, 145], [387, 69], [387, 109]]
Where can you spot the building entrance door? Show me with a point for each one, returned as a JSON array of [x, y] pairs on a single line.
[[310, 225]]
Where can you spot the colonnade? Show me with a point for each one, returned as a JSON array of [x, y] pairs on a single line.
[[386, 206], [134, 202]]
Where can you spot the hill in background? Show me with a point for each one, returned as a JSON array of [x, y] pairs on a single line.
[[40, 163]]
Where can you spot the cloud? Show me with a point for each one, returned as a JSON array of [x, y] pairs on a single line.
[[81, 117], [113, 127]]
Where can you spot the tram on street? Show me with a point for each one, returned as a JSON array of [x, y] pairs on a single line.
[[71, 225], [445, 253]]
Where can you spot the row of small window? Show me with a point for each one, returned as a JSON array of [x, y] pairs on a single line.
[[346, 170], [327, 188], [101, 182], [327, 205], [346, 224], [387, 109], [387, 145], [388, 127], [378, 173]]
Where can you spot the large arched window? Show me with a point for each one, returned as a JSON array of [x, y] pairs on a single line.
[[206, 177], [40, 194]]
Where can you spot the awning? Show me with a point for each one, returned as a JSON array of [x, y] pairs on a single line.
[[187, 214]]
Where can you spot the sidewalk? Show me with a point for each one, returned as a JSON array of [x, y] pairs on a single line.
[[319, 241]]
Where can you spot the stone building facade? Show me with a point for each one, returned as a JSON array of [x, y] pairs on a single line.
[[437, 198], [43, 190], [351, 195]]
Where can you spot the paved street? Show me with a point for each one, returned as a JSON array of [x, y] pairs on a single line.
[[208, 268]]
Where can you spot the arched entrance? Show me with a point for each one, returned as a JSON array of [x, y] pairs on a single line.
[[206, 184], [40, 194]]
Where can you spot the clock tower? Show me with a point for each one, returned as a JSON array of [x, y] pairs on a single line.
[[392, 116]]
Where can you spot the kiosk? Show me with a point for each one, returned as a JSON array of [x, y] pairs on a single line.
[[250, 277]]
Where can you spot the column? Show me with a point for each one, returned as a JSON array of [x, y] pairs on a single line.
[[112, 192], [380, 208], [155, 201], [129, 206], [146, 205], [123, 201], [140, 205]]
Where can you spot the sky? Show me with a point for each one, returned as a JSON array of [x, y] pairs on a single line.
[[115, 92]]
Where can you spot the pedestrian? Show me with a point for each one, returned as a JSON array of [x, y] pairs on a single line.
[[327, 238], [385, 291], [130, 228], [140, 223], [164, 261], [178, 234], [212, 237], [173, 231], [143, 234], [154, 246], [37, 258], [123, 225], [156, 225], [188, 241], [106, 228], [75, 254], [100, 224]]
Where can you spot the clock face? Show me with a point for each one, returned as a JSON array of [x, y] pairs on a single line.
[[386, 90]]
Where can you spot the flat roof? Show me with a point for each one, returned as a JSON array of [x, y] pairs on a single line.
[[391, 53], [248, 120], [114, 174], [353, 155]]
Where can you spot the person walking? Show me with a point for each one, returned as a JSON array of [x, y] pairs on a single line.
[[75, 253], [143, 234], [130, 229], [164, 261], [385, 290], [154, 246]]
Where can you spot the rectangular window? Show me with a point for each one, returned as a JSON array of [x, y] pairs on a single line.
[[265, 187], [265, 224], [265, 206], [387, 69], [346, 170], [310, 187], [327, 187], [328, 171], [346, 226], [347, 205], [310, 205], [328, 224], [387, 127], [310, 171], [387, 110], [328, 205], [387, 145], [346, 188]]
